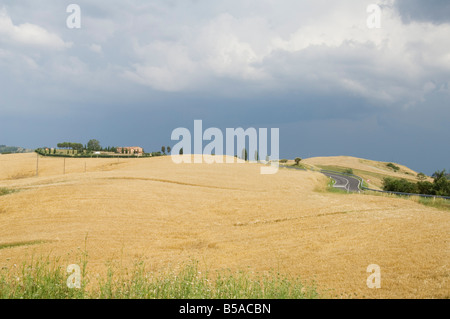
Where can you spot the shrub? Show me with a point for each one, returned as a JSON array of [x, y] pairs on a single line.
[[421, 176], [399, 185], [425, 188], [393, 166], [440, 186]]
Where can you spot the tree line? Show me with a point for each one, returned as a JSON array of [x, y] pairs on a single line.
[[92, 145], [439, 187]]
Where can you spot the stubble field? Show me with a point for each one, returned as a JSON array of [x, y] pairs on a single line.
[[226, 216]]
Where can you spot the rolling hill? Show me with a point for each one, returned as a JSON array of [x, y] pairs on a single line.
[[227, 216], [372, 172], [13, 149]]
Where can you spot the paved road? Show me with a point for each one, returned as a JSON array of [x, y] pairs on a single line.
[[345, 182]]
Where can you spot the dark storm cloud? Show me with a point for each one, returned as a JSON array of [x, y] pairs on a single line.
[[136, 70], [434, 11]]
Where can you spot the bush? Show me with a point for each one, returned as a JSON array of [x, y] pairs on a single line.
[[440, 186], [393, 166], [283, 160], [425, 188], [399, 185], [421, 176]]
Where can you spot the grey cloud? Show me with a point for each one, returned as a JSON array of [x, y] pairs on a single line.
[[434, 11], [311, 68]]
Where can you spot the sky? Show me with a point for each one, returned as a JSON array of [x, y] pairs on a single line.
[[136, 70]]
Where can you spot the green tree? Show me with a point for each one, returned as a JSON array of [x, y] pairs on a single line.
[[441, 185], [244, 154], [181, 151], [168, 149], [163, 149], [438, 175], [297, 160], [77, 146], [94, 145], [425, 187], [399, 185]]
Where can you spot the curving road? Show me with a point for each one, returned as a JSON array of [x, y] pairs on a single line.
[[348, 183]]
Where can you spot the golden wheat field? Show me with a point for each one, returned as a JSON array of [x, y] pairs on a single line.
[[227, 216]]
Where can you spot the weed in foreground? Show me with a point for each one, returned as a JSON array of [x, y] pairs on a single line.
[[46, 279]]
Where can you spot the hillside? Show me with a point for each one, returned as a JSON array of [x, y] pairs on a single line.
[[227, 216], [13, 149], [373, 172]]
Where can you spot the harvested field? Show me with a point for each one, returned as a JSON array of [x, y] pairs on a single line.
[[225, 216]]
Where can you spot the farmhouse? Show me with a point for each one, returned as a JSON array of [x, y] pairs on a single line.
[[133, 150]]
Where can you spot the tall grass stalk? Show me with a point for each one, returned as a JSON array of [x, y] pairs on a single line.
[[45, 279]]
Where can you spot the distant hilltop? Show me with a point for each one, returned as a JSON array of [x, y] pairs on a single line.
[[13, 149]]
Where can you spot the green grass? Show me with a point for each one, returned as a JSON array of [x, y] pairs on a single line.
[[6, 191], [332, 189], [22, 243], [333, 168], [190, 283], [42, 279], [300, 165], [440, 203], [45, 279]]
